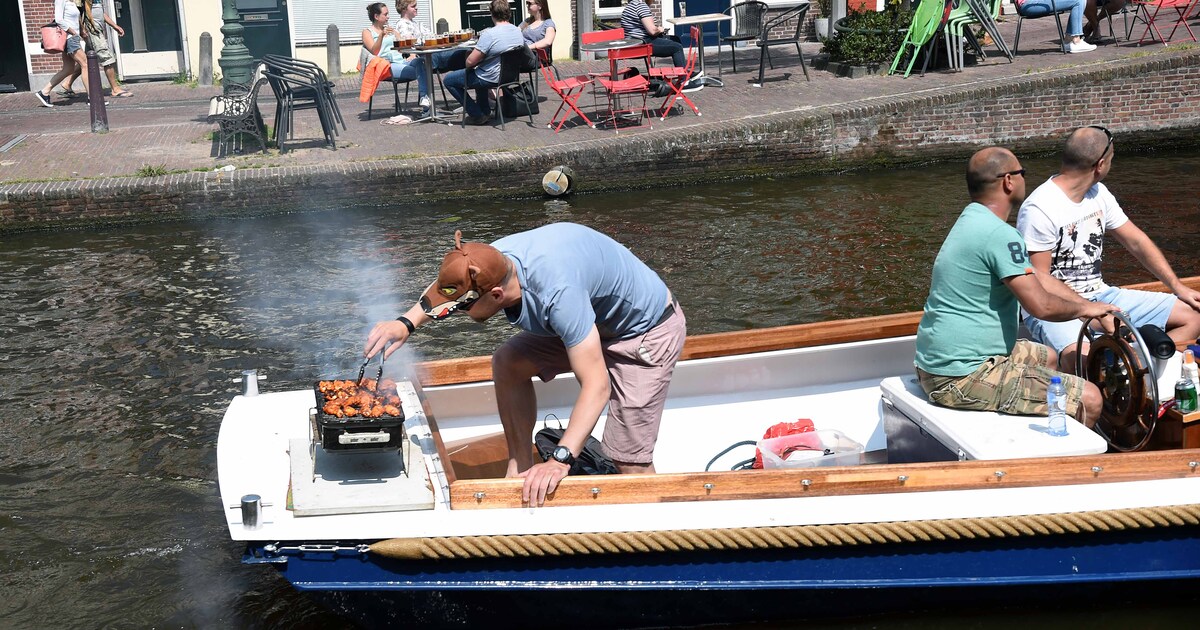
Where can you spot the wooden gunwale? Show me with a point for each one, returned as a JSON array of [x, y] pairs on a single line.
[[790, 483], [478, 369], [470, 494]]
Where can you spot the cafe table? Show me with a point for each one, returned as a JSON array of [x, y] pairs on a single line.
[[612, 44], [700, 20], [428, 52]]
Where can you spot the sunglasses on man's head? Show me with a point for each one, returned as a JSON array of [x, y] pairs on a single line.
[[1107, 146], [463, 303], [1019, 171]]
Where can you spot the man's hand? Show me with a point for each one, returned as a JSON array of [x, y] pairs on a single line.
[[388, 335], [1189, 297], [1100, 311], [542, 479]]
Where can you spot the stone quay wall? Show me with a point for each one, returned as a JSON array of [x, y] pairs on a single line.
[[1149, 101]]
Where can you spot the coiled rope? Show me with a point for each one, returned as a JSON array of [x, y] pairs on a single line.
[[547, 545]]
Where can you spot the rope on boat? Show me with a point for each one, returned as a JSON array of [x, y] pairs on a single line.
[[811, 536]]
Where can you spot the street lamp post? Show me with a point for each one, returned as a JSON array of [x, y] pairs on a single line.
[[235, 61]]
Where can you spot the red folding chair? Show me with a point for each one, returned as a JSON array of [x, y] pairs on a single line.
[[677, 77], [1149, 10], [624, 94], [569, 90]]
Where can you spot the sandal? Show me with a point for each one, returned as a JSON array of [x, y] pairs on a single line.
[[66, 92], [122, 94]]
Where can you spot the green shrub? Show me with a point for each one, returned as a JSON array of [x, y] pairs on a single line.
[[875, 36]]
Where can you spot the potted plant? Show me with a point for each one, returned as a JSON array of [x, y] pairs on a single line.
[[865, 41], [821, 23]]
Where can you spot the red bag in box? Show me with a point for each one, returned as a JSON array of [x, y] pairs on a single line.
[[803, 425]]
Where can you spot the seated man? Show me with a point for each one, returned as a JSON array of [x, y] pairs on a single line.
[[483, 64], [1064, 222], [968, 355]]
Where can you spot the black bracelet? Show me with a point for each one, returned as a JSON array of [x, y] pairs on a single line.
[[407, 324]]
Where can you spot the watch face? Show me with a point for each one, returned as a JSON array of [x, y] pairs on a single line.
[[562, 454]]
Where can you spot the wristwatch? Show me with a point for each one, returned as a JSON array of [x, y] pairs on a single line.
[[562, 455]]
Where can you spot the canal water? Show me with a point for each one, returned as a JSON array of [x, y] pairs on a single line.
[[120, 349]]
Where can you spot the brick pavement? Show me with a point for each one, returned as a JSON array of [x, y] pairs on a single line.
[[164, 125]]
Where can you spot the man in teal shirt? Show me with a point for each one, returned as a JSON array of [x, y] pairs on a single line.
[[968, 354]]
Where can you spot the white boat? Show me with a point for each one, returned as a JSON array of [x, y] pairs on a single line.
[[986, 500]]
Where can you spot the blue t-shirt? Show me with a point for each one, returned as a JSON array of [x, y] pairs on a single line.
[[971, 314], [573, 277], [492, 42], [631, 19], [535, 35]]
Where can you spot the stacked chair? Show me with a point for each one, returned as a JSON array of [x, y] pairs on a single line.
[[300, 85]]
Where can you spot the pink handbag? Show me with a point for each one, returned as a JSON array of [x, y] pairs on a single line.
[[54, 38]]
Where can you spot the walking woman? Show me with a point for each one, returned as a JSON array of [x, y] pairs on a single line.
[[66, 15], [538, 28]]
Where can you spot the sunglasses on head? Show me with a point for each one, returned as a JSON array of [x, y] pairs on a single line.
[[1019, 171], [1107, 146], [464, 303]]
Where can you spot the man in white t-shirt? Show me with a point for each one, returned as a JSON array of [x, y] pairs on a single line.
[[1064, 222]]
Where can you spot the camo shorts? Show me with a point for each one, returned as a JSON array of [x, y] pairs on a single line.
[[1015, 384]]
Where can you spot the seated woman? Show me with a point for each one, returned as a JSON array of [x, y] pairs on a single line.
[[638, 22], [538, 28], [414, 66], [1092, 13], [1039, 8]]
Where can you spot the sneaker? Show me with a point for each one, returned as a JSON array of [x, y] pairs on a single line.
[[477, 121], [692, 86], [1080, 47], [43, 99], [424, 104]]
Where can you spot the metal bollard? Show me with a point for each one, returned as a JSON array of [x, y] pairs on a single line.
[[206, 74], [96, 94], [250, 379], [442, 26], [251, 511], [333, 52]]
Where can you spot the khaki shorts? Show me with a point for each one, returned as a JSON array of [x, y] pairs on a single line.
[[1014, 384], [99, 43], [639, 373]]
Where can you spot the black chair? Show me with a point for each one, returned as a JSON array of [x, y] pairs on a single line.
[[765, 41], [512, 64], [321, 79], [236, 113], [746, 26], [395, 92], [297, 89], [1056, 12]]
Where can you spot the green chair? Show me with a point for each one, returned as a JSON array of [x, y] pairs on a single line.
[[926, 21]]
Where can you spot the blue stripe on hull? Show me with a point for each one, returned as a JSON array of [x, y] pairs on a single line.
[[1159, 554]]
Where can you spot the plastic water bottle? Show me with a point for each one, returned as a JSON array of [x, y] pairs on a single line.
[[1056, 400]]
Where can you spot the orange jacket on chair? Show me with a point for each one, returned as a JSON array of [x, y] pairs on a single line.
[[377, 70]]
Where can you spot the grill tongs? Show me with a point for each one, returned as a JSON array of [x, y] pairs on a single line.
[[362, 369]]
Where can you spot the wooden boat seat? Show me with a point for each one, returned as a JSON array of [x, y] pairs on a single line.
[[912, 423]]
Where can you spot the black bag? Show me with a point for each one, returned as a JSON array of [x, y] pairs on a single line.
[[659, 89], [592, 461], [519, 102]]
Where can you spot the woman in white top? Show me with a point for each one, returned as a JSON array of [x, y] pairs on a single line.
[[66, 15], [538, 28], [414, 66]]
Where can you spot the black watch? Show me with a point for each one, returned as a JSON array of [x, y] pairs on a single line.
[[562, 455]]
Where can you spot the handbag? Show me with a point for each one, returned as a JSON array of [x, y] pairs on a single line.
[[521, 101], [54, 38]]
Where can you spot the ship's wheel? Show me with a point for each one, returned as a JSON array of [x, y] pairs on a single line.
[[1118, 364]]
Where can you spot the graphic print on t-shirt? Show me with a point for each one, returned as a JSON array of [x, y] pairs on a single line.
[[1078, 253]]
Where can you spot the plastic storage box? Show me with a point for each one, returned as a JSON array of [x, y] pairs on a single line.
[[823, 447]]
